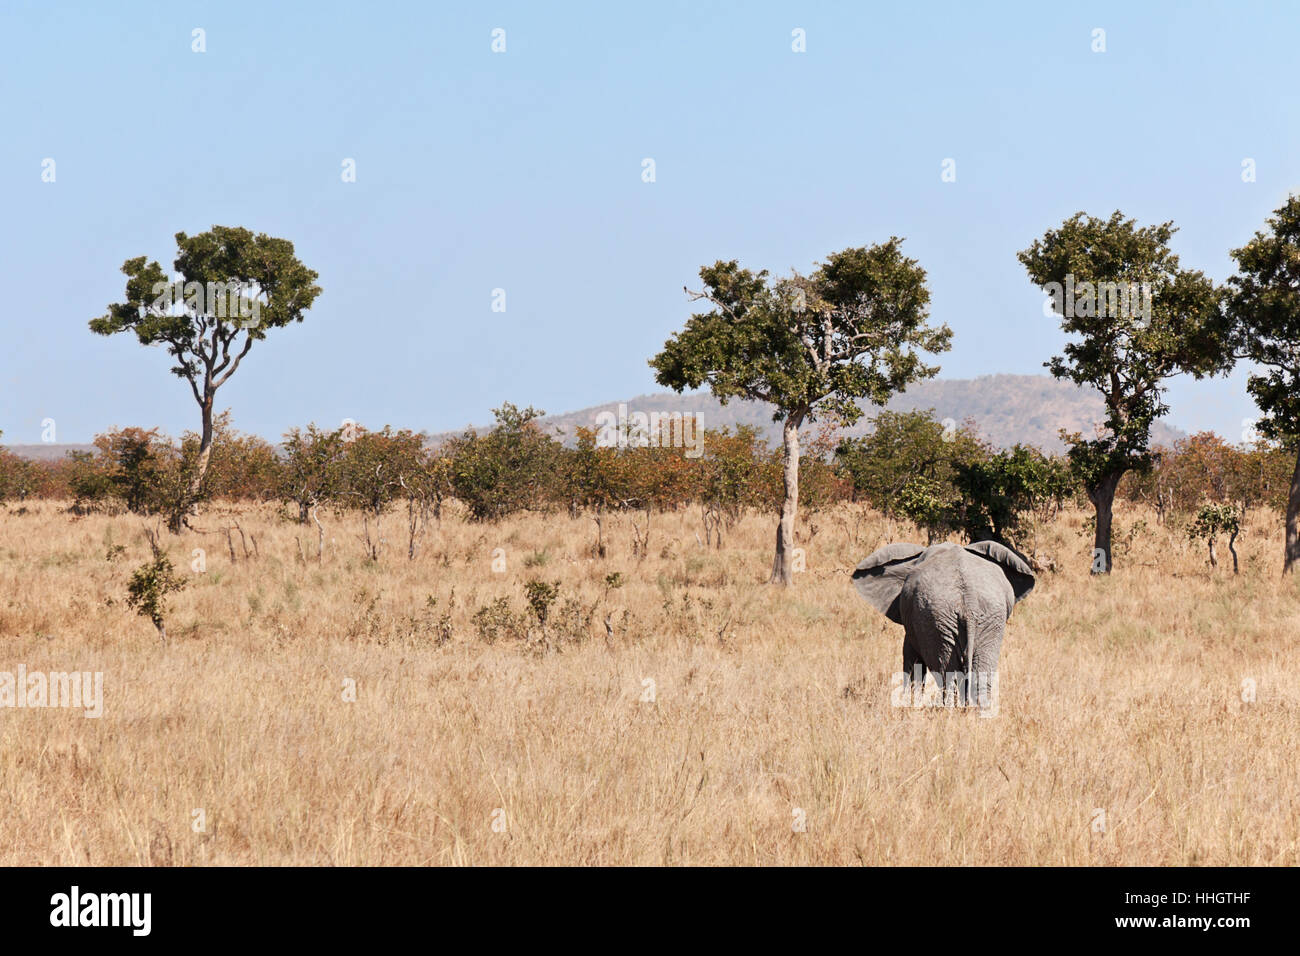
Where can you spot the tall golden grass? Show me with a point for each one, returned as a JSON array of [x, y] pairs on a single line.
[[715, 720]]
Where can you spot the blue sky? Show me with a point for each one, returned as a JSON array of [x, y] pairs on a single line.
[[522, 170]]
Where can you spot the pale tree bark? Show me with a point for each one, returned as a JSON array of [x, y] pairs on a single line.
[[205, 446], [218, 366], [782, 564], [1292, 556]]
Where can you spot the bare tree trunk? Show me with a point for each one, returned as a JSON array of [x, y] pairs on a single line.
[[600, 531], [320, 540], [782, 564], [413, 525], [243, 542], [1103, 499], [1292, 557], [205, 447], [372, 546], [641, 540]]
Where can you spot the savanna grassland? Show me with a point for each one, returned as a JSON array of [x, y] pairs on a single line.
[[681, 712]]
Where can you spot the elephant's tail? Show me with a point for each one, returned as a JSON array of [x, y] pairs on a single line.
[[965, 648], [966, 644]]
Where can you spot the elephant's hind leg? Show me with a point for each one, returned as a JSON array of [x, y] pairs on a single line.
[[913, 669], [963, 657]]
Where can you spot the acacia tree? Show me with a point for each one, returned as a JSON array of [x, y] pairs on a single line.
[[730, 478], [594, 479], [808, 345], [312, 470], [1128, 344], [1263, 307], [512, 468], [1213, 520], [228, 281], [134, 461], [998, 494], [903, 446], [379, 468]]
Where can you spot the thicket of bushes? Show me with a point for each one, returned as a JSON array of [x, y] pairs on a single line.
[[944, 479]]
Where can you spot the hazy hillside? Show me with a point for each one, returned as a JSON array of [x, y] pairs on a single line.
[[47, 452], [1005, 408]]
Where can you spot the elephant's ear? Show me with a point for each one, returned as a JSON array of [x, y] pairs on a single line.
[[879, 578], [1015, 567]]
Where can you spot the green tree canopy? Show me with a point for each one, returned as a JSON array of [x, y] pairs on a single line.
[[1263, 306], [512, 468], [853, 329], [903, 446], [1137, 318], [229, 283]]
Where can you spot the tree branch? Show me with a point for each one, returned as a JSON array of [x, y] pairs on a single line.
[[248, 344]]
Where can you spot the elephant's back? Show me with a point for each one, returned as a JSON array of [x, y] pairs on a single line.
[[932, 594], [952, 595], [988, 593], [957, 583]]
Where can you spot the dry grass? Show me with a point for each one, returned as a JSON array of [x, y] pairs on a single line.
[[1123, 695]]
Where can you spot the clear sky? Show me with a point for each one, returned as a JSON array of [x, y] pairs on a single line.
[[522, 171]]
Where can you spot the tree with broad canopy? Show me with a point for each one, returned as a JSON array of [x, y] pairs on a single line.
[[809, 345], [227, 281]]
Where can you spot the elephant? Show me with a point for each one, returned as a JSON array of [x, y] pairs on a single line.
[[953, 603]]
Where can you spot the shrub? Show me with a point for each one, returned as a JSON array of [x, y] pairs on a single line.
[[497, 620], [540, 597], [149, 586], [1213, 520], [512, 468]]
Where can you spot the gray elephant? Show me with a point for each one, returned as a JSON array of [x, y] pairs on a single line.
[[953, 603]]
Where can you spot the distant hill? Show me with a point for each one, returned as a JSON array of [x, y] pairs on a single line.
[[47, 452], [1006, 409]]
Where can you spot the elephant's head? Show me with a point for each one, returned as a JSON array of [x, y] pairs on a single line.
[[880, 577]]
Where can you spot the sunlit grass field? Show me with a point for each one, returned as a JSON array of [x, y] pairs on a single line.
[[673, 709]]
